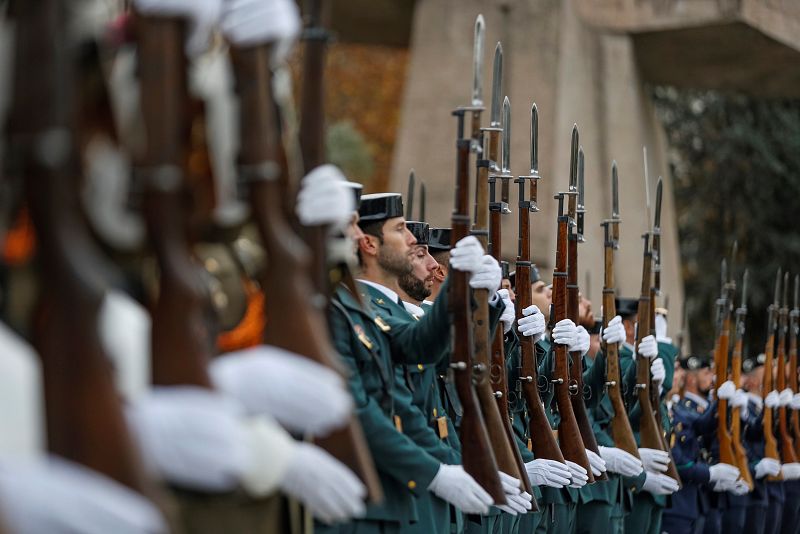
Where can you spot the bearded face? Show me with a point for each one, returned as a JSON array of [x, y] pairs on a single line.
[[418, 283]]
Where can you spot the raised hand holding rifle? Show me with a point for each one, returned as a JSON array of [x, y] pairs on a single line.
[[794, 326], [770, 443], [787, 446], [739, 453]]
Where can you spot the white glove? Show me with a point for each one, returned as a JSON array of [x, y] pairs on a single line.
[[740, 488], [723, 476], [597, 464], [579, 475], [726, 391], [457, 487], [55, 495], [796, 401], [532, 323], [659, 484], [190, 436], [467, 254], [661, 329], [772, 400], [582, 341], [785, 397], [648, 347], [302, 395], [654, 460], [658, 372], [542, 472], [767, 467], [517, 501], [509, 314], [615, 331], [253, 22], [740, 400], [202, 16], [325, 198], [488, 276], [329, 489], [565, 333], [791, 471], [621, 462]]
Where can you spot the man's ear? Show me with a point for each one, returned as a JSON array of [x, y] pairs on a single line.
[[440, 273], [368, 245]]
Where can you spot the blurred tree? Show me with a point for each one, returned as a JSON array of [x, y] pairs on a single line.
[[347, 148], [735, 164]]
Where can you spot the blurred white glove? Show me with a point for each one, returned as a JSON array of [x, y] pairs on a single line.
[[791, 471], [302, 395], [796, 401], [565, 333], [192, 437], [661, 329], [56, 496], [329, 489], [654, 460], [657, 371], [772, 400], [582, 341], [597, 464], [325, 198], [532, 323], [254, 22], [726, 391], [542, 472], [621, 462], [202, 16], [457, 487], [723, 475], [740, 400], [579, 475], [615, 331], [517, 501], [740, 488], [509, 314], [767, 467], [659, 484], [785, 397], [467, 254], [648, 347], [488, 276]]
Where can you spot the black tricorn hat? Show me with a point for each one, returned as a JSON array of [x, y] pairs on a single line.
[[535, 275], [420, 231], [750, 364], [379, 207], [626, 307], [598, 325], [439, 240], [504, 267], [357, 188], [693, 363]]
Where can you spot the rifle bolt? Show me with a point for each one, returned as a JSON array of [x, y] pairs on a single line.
[[527, 379], [459, 366], [557, 381], [498, 394], [611, 383]]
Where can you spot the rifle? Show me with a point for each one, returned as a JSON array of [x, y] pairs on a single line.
[[410, 196], [621, 431], [794, 325], [787, 446], [576, 365], [497, 426], [739, 452], [721, 364], [569, 435], [543, 442], [770, 443], [84, 416], [264, 165], [422, 201]]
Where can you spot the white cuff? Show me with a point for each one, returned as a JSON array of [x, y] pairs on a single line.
[[271, 449]]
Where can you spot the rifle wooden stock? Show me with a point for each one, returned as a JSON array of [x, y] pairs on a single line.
[[569, 435], [293, 323], [787, 445], [721, 363], [739, 452], [770, 443], [795, 417], [477, 453], [84, 417]]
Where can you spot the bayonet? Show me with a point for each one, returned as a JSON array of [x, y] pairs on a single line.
[[410, 196], [505, 167], [657, 238], [497, 81], [477, 63], [572, 193], [786, 290], [533, 176], [615, 218], [744, 290], [422, 202], [646, 185], [581, 210]]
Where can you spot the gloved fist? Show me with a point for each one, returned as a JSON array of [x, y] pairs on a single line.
[[621, 462], [791, 471], [740, 488], [565, 333], [579, 475], [767, 467], [796, 401], [509, 314], [517, 501], [740, 400], [654, 460], [202, 16], [582, 343], [785, 397], [457, 487], [615, 331], [726, 391], [657, 371], [659, 484], [488, 276], [532, 323], [724, 474], [302, 395], [542, 472], [597, 464], [467, 254], [255, 22], [772, 400], [325, 198], [324, 485], [648, 347]]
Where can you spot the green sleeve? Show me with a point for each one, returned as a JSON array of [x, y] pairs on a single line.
[[594, 377], [423, 341]]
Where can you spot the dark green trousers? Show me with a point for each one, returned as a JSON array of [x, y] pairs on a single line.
[[645, 518], [360, 527], [558, 518]]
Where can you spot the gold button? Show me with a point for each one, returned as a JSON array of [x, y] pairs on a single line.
[[420, 366], [412, 484], [434, 412]]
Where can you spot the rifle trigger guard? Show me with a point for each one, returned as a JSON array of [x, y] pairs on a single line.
[[459, 366], [543, 385]]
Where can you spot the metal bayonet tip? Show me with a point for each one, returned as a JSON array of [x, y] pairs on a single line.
[[422, 202], [745, 276], [796, 291], [657, 220], [776, 300], [506, 162], [534, 139], [497, 85], [723, 273], [580, 178], [410, 195], [734, 252], [573, 160], [786, 289], [646, 184], [614, 190], [477, 62]]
